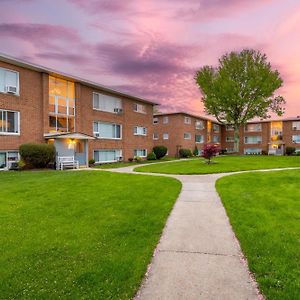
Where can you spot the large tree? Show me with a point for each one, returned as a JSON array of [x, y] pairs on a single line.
[[240, 88]]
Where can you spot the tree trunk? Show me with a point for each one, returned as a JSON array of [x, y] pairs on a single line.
[[237, 139]]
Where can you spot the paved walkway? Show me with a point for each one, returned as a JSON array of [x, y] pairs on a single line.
[[198, 256]]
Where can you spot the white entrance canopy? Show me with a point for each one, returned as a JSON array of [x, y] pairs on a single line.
[[68, 135]]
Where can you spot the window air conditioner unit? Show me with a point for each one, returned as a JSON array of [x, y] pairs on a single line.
[[118, 110], [97, 134], [11, 89], [295, 128]]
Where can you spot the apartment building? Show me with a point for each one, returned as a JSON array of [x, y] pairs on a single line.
[[81, 118], [269, 136], [183, 130]]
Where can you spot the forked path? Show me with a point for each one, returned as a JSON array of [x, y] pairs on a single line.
[[198, 256]]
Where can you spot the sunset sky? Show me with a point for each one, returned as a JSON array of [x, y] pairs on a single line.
[[152, 48]]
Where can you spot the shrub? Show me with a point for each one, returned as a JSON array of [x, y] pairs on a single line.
[[138, 159], [37, 155], [196, 151], [264, 152], [185, 153], [91, 162], [223, 151], [130, 159], [209, 151], [160, 151], [151, 156], [290, 150]]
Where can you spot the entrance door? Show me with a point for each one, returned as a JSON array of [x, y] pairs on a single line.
[[80, 153], [2, 160]]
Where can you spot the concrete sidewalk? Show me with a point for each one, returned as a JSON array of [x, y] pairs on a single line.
[[198, 256]]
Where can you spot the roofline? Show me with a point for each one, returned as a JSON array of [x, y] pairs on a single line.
[[35, 67], [185, 113], [215, 121]]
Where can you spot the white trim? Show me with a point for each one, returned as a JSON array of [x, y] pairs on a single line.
[[19, 125], [107, 138], [108, 161], [135, 150], [189, 136], [18, 82], [142, 128], [136, 109]]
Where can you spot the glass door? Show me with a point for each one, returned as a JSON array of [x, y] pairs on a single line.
[[3, 160]]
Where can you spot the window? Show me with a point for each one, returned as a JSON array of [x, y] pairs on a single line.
[[61, 105], [105, 130], [229, 139], [101, 156], [140, 152], [165, 120], [252, 151], [140, 130], [253, 127], [165, 136], [296, 125], [107, 103], [230, 150], [216, 139], [229, 127], [199, 124], [216, 128], [187, 120], [187, 136], [9, 122], [155, 120], [8, 157], [9, 81], [252, 139], [140, 108], [296, 139], [199, 139], [155, 136]]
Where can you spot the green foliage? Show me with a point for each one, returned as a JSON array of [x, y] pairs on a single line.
[[263, 209], [21, 164], [37, 155], [63, 239], [91, 162], [160, 151], [196, 151], [290, 150], [130, 159], [138, 159], [151, 156], [185, 153]]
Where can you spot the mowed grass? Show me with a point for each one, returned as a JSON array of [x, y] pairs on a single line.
[[223, 164], [79, 235], [264, 210], [134, 163]]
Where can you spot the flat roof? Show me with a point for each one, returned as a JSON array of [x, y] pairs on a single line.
[[35, 67]]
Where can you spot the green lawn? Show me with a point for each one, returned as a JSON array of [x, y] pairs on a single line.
[[134, 163], [223, 164], [79, 235], [264, 210]]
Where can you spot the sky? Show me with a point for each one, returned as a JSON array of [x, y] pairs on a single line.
[[152, 48]]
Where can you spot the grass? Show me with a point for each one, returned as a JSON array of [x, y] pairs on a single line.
[[223, 164], [79, 235], [134, 163], [264, 210]]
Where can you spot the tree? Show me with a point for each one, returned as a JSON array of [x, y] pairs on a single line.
[[209, 151], [240, 88]]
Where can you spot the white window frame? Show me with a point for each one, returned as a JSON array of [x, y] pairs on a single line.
[[117, 99], [256, 130], [251, 136], [247, 151], [296, 138], [5, 85], [136, 150], [197, 126], [187, 136], [202, 138], [218, 139], [155, 120], [187, 120], [7, 161], [107, 138], [229, 139], [155, 136], [139, 108], [108, 161], [296, 125], [216, 127], [18, 120], [165, 136], [165, 120], [140, 130], [229, 127]]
